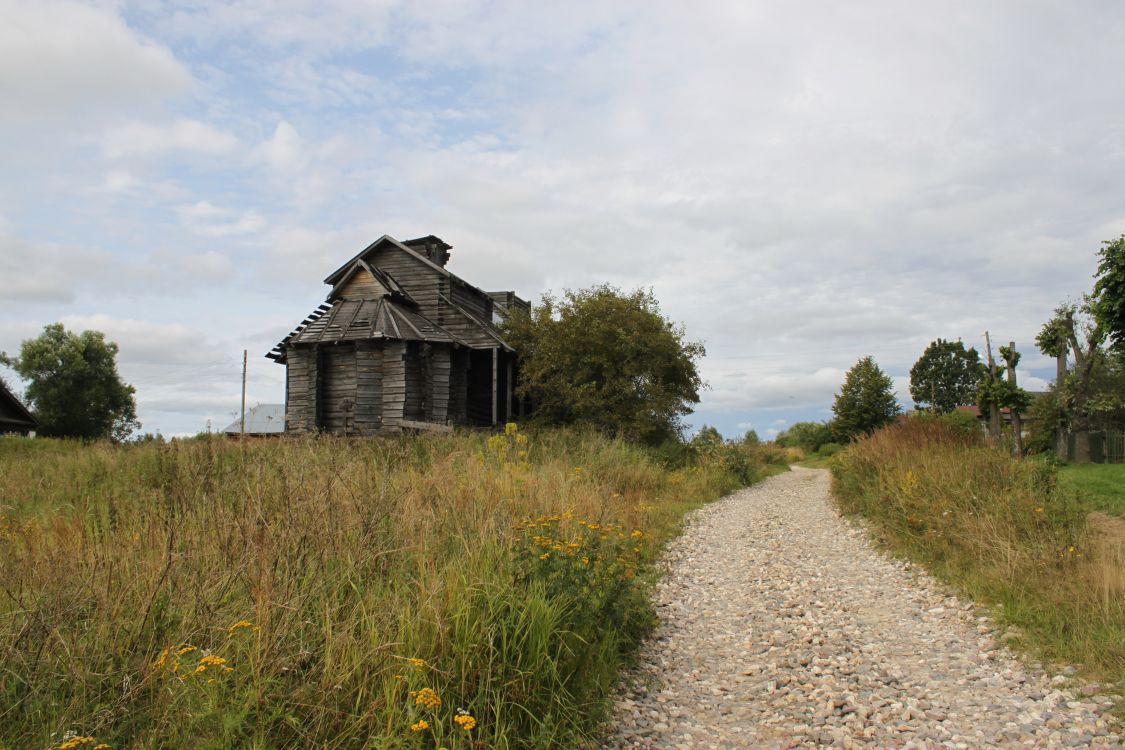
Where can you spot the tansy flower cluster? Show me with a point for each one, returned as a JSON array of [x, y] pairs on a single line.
[[427, 698], [241, 625], [77, 742], [212, 661], [464, 720]]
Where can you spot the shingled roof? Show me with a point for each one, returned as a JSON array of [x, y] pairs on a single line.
[[14, 416]]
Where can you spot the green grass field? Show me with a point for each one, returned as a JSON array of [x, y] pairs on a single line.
[[1098, 486], [461, 591]]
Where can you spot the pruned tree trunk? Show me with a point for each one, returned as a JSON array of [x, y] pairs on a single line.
[[1081, 446], [993, 408], [1017, 422], [1079, 397]]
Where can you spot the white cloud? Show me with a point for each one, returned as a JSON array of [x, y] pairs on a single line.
[[284, 150], [146, 139], [801, 184], [209, 220], [47, 272], [65, 59]]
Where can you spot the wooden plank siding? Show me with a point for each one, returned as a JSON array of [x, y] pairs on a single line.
[[394, 383], [301, 403], [338, 388], [459, 386], [369, 387], [441, 370], [362, 285], [414, 403], [415, 277]]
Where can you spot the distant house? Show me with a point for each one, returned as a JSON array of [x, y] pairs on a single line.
[[400, 342], [261, 421], [15, 419]]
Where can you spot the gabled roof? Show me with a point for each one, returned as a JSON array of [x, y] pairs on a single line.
[[12, 411], [385, 241]]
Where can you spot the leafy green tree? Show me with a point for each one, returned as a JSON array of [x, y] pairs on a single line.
[[945, 376], [1107, 303], [73, 386], [751, 438], [606, 359], [1079, 333], [808, 436], [866, 400], [707, 436], [1075, 330]]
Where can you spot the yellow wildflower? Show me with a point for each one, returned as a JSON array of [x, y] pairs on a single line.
[[511, 428], [212, 661], [545, 555], [427, 698], [1039, 510], [417, 663], [637, 534], [159, 663], [420, 725], [102, 746], [465, 721], [239, 626], [74, 742], [185, 650]]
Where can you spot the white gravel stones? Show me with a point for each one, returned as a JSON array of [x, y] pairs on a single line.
[[781, 627]]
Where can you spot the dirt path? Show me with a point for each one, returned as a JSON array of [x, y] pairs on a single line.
[[781, 627]]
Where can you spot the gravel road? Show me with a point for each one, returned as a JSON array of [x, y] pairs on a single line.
[[781, 627]]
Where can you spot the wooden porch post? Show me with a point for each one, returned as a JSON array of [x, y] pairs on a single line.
[[508, 400], [495, 384]]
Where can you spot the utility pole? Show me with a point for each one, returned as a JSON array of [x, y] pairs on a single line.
[[993, 409], [242, 420]]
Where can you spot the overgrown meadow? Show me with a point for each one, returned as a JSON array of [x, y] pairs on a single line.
[[1002, 530], [425, 592]]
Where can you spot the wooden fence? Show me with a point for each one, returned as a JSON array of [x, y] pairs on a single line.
[[1106, 446]]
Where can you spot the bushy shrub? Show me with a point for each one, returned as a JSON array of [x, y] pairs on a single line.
[[961, 421], [829, 449], [808, 436]]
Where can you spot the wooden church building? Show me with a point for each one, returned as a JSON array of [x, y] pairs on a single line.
[[400, 342]]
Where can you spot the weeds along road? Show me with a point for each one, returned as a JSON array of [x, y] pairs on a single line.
[[782, 627]]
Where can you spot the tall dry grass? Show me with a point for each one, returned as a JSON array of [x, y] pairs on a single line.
[[1000, 529], [324, 592]]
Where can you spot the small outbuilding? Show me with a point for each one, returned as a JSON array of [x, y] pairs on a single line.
[[15, 419], [262, 420], [400, 342]]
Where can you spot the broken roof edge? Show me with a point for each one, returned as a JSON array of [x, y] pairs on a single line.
[[487, 328], [30, 418]]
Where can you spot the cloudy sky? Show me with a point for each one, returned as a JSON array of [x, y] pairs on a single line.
[[801, 183]]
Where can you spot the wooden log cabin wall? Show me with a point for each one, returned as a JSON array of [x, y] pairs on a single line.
[[400, 343]]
